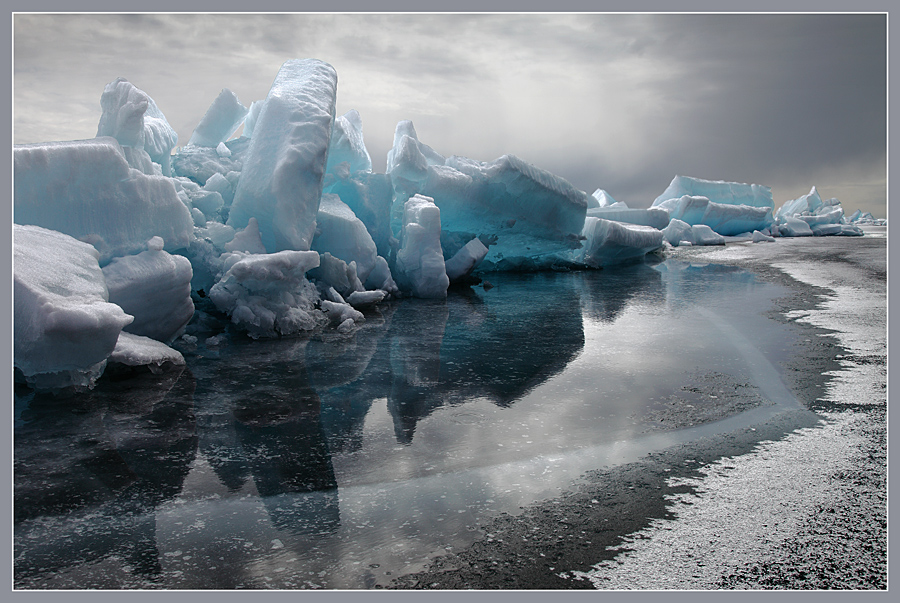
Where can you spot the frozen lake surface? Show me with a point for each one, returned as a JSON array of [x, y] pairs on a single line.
[[343, 463]]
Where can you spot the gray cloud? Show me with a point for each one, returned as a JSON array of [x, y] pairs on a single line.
[[620, 102]]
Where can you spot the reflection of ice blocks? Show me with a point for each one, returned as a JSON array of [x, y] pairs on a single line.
[[284, 166], [420, 261], [64, 327], [155, 288], [86, 189]]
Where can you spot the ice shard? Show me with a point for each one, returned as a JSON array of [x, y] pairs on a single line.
[[222, 119], [284, 165]]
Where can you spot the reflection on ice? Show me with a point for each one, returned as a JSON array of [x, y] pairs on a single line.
[[342, 461]]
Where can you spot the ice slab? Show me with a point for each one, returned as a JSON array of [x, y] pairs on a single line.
[[155, 288], [64, 326], [284, 165], [465, 260], [224, 116], [369, 196], [608, 243], [653, 216], [420, 262], [347, 145], [137, 350], [600, 198], [86, 189], [704, 235], [789, 226], [725, 219], [344, 236]]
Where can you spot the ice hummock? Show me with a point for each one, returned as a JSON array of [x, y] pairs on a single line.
[[284, 165], [86, 189], [65, 328], [268, 295]]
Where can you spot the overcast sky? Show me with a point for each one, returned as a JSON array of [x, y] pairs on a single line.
[[622, 102]]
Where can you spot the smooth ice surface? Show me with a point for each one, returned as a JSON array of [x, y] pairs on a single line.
[[343, 235], [420, 262], [793, 227], [347, 144], [63, 323], [131, 117], [222, 119], [600, 198], [370, 196], [155, 288], [608, 243], [86, 189], [268, 295], [284, 165]]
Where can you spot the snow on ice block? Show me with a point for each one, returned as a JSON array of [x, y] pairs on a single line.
[[718, 191], [222, 119], [132, 117], [64, 326], [284, 166], [155, 288], [420, 261], [344, 236], [347, 144], [86, 189], [268, 294], [136, 350], [652, 216], [608, 243]]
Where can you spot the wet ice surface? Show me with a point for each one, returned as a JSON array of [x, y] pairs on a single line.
[[807, 511], [345, 463]]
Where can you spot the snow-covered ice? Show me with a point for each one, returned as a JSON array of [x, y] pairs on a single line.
[[420, 262], [64, 327]]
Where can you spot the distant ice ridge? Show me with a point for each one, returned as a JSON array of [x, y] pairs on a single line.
[[729, 208], [821, 217], [286, 229]]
